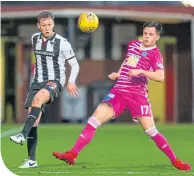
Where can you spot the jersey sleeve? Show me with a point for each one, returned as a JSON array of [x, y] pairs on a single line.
[[157, 62], [32, 38], [131, 42], [67, 50]]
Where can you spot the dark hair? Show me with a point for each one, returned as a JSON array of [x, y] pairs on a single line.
[[45, 14], [155, 24]]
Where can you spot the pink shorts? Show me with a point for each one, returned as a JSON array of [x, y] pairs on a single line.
[[137, 105]]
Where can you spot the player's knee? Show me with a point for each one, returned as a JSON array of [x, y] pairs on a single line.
[[41, 97], [36, 101], [151, 132], [93, 121], [104, 112]]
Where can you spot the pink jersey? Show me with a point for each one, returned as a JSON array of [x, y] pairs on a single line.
[[136, 58]]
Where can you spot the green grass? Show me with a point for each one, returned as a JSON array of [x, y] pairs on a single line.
[[117, 150]]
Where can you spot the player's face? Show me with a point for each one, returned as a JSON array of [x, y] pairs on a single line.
[[46, 26], [150, 36]]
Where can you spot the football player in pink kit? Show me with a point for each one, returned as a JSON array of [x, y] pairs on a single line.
[[143, 62]]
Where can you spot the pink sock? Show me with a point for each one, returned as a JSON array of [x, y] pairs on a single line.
[[163, 145], [87, 134]]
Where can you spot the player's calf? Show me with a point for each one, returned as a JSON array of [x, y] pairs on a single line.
[[164, 146], [32, 117], [161, 142], [83, 140]]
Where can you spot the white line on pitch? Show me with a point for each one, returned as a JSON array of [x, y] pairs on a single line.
[[10, 132]]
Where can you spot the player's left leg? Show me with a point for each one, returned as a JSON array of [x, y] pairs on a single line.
[[103, 113], [140, 109], [32, 139], [150, 129], [112, 105]]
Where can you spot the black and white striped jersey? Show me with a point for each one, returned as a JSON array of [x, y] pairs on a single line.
[[50, 56]]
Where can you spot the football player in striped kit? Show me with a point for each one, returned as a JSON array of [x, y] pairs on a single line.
[[51, 52]]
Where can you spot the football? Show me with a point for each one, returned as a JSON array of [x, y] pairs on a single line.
[[88, 22]]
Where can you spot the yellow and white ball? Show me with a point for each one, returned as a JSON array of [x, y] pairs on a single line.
[[88, 22]]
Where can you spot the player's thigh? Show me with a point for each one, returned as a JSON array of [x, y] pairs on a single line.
[[111, 107], [139, 106], [41, 97], [103, 113], [50, 91], [34, 88], [54, 88]]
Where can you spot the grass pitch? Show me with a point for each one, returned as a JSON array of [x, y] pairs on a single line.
[[116, 150]]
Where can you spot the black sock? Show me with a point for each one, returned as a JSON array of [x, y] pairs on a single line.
[[32, 143], [32, 116]]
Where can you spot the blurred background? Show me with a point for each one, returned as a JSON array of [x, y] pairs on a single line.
[[98, 54]]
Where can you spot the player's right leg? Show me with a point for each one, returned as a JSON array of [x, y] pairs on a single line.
[[102, 114], [111, 107]]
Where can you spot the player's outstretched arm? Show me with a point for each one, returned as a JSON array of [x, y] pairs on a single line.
[[157, 75]]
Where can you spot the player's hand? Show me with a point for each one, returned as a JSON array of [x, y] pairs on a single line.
[[135, 72], [113, 76], [72, 90]]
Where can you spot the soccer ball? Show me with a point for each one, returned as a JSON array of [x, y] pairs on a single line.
[[88, 22]]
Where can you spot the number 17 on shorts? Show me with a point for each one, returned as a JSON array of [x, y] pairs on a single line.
[[146, 110]]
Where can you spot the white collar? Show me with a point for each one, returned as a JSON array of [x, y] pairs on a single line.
[[145, 49]]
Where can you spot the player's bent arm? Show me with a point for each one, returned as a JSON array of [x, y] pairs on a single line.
[[157, 75], [74, 69], [69, 55]]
